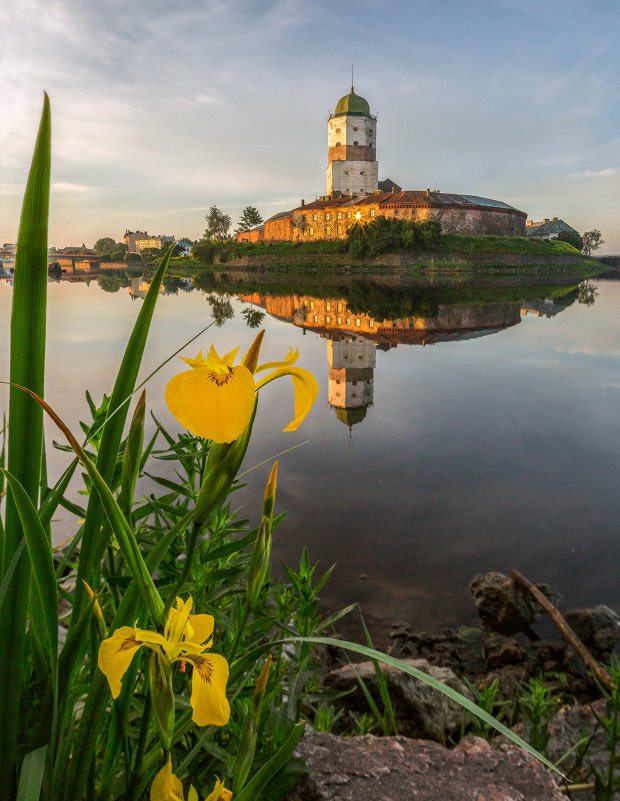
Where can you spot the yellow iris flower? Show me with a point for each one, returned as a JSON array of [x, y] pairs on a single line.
[[185, 639], [215, 399], [166, 787]]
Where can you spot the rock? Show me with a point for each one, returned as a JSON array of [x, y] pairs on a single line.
[[503, 606], [420, 710], [399, 769], [597, 628], [499, 651]]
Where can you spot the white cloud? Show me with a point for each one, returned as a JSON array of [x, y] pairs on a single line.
[[594, 173]]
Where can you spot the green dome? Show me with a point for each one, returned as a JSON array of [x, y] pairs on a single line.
[[352, 104], [350, 416]]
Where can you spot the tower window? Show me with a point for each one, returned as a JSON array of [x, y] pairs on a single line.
[[355, 129], [346, 172], [362, 172], [337, 130], [356, 142], [337, 144]]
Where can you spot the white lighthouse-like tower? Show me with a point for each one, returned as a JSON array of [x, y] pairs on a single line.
[[352, 167]]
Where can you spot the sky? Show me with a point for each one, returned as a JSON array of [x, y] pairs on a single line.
[[161, 110]]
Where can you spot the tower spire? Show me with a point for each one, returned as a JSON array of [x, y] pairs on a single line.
[[351, 78]]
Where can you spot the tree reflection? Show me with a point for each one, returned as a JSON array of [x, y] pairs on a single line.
[[587, 293], [221, 308], [253, 317]]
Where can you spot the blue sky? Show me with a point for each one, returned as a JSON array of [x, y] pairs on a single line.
[[161, 110]]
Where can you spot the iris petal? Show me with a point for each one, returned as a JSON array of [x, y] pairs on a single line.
[[115, 655], [202, 629], [211, 405], [166, 786], [306, 390], [208, 699], [291, 358]]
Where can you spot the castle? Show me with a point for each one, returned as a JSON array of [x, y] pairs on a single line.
[[354, 192]]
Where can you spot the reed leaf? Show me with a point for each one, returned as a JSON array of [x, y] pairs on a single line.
[[94, 537], [28, 319]]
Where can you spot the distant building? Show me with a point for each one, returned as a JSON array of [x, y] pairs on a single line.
[[156, 242], [354, 192], [547, 229]]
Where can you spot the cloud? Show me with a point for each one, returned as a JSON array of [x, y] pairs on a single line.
[[594, 173]]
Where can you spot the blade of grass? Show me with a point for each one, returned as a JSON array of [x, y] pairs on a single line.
[[93, 541], [28, 318], [31, 779]]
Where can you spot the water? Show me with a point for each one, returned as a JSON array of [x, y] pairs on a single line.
[[490, 441]]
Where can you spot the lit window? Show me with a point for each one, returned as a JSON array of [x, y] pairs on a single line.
[[314, 216], [311, 231], [396, 212], [340, 215], [348, 215], [328, 319], [316, 319], [327, 216], [348, 321], [340, 229], [371, 323], [328, 230], [312, 304], [372, 212], [358, 322], [328, 306], [339, 320], [340, 307], [358, 215]]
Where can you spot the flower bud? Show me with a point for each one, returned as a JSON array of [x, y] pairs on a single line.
[[162, 698]]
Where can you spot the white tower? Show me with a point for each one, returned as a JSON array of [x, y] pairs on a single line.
[[351, 141]]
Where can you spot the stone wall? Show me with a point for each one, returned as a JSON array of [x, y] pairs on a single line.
[[500, 222]]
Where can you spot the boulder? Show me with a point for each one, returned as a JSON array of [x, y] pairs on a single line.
[[503, 606], [420, 710], [399, 769], [597, 628]]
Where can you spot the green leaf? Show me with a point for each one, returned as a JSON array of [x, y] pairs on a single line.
[[28, 319], [259, 781], [437, 685], [31, 776]]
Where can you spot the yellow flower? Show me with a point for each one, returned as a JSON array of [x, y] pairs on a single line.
[[185, 639], [166, 787], [215, 399]]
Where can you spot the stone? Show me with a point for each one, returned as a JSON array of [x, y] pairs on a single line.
[[597, 628], [499, 651], [399, 769], [420, 710], [503, 606]]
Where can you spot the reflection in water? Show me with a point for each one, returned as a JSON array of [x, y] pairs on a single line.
[[473, 454]]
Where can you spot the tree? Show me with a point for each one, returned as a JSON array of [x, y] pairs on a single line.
[[249, 219], [592, 241], [105, 246], [218, 224], [572, 237]]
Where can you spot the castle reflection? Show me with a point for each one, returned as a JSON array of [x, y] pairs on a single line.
[[353, 337]]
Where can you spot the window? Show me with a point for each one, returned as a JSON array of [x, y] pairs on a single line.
[[312, 304], [348, 215], [337, 144], [356, 142], [414, 212], [337, 130], [328, 319], [327, 216], [340, 229], [314, 216], [340, 307], [348, 321], [339, 215], [355, 129], [316, 319], [372, 212], [339, 320], [396, 213], [346, 172], [371, 323], [311, 230], [358, 322], [328, 306], [328, 229], [362, 172]]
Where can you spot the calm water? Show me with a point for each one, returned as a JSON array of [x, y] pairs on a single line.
[[464, 433]]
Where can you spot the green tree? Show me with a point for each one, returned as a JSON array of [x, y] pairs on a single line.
[[218, 224], [128, 257], [572, 237], [592, 240], [105, 246], [250, 218]]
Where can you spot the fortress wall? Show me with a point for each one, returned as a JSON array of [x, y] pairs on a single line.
[[478, 221]]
